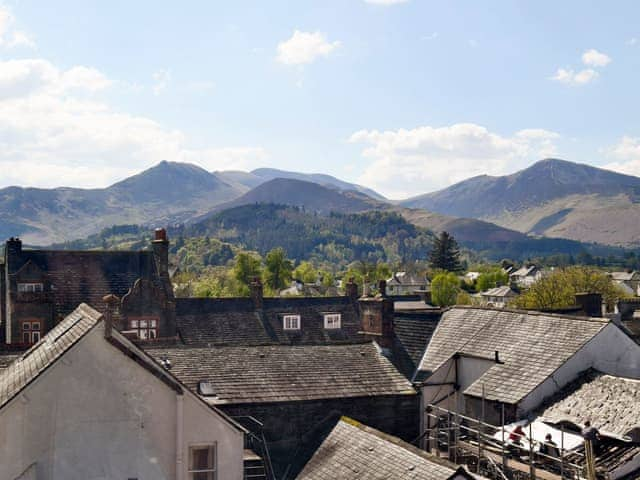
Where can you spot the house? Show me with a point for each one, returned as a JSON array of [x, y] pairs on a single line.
[[354, 450], [41, 287], [85, 402], [484, 361], [629, 282], [498, 297], [526, 276], [405, 283]]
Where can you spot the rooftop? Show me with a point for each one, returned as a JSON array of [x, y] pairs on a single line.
[[531, 346], [355, 451], [611, 403], [281, 373]]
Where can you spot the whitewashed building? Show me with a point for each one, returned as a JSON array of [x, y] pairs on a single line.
[[86, 403]]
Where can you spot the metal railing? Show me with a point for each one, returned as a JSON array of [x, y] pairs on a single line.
[[255, 440]]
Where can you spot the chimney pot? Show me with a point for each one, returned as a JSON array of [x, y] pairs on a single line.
[[160, 235], [257, 293]]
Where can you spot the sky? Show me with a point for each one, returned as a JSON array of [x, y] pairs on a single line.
[[405, 97]]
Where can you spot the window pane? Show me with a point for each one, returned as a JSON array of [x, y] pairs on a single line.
[[133, 324], [143, 334], [200, 459], [153, 323], [26, 337], [143, 324], [36, 336], [35, 325], [26, 326], [152, 333]]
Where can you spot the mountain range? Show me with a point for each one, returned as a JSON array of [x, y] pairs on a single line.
[[552, 198]]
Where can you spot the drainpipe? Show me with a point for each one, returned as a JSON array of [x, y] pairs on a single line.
[[179, 435]]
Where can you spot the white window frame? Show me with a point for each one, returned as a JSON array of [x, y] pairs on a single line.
[[145, 328], [291, 322], [32, 331], [332, 321], [30, 287], [213, 469]]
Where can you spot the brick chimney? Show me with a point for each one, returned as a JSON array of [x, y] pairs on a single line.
[[376, 318], [351, 289], [590, 303], [12, 252], [382, 288], [111, 301], [160, 246], [256, 291]]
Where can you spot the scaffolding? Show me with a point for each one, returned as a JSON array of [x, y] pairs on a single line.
[[472, 442]]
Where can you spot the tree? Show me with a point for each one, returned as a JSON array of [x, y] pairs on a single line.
[[277, 269], [445, 287], [305, 272], [558, 288], [247, 267], [445, 254], [495, 278]]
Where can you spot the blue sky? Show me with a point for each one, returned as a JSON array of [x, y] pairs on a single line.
[[405, 97]]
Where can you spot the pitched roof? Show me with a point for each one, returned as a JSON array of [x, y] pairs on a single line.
[[623, 276], [531, 345], [413, 333], [524, 271], [612, 403], [503, 291], [279, 373], [355, 451], [404, 278], [234, 321], [26, 368]]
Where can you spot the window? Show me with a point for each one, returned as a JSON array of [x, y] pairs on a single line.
[[332, 320], [31, 331], [202, 462], [291, 322], [30, 287], [146, 328]]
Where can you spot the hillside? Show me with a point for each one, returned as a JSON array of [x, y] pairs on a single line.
[[167, 192], [306, 195], [261, 175], [552, 198]]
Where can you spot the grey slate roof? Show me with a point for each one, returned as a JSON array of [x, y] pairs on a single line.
[[281, 373], [611, 403], [353, 451], [205, 322], [531, 345], [503, 291], [43, 354]]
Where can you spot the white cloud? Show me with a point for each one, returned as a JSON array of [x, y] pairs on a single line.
[[594, 58], [569, 77], [632, 41], [627, 156], [162, 79], [410, 162], [11, 37], [386, 2], [304, 47]]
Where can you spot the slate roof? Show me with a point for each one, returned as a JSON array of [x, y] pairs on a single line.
[[87, 276], [7, 358], [524, 271], [503, 291], [611, 403], [354, 451], [413, 333], [407, 279], [531, 345], [281, 373], [234, 321], [623, 276], [43, 354]]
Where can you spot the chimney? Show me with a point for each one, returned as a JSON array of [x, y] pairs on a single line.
[[351, 289], [382, 288], [376, 319], [13, 249], [160, 246], [256, 293], [111, 302], [590, 303]]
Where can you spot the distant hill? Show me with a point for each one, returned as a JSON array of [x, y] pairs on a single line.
[[307, 195], [261, 175], [167, 192], [554, 198]]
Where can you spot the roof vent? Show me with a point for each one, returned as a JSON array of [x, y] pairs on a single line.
[[205, 388], [165, 362]]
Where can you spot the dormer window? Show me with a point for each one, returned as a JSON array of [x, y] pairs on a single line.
[[332, 321], [30, 287], [145, 328], [291, 322]]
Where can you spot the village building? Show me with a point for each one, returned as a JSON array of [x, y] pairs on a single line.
[[525, 276], [85, 402], [629, 282], [498, 297], [405, 283], [38, 288], [356, 451]]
